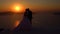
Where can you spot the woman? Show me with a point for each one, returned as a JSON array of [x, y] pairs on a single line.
[[25, 24]]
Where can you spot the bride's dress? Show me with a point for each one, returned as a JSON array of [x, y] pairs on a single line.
[[24, 25]]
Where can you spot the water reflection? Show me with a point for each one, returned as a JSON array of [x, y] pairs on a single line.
[[10, 21], [16, 23]]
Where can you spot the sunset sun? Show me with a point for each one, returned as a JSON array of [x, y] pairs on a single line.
[[17, 8]]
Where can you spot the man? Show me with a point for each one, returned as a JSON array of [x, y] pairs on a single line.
[[28, 13]]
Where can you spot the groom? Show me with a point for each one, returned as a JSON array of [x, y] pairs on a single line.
[[28, 13]]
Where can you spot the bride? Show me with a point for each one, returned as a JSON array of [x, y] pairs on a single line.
[[25, 24]]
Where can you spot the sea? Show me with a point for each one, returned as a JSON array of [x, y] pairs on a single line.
[[41, 21]]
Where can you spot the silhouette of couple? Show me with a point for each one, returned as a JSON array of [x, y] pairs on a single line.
[[26, 23]]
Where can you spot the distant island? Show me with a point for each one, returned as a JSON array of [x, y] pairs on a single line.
[[10, 13], [56, 13]]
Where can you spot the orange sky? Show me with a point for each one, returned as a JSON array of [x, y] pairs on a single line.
[[32, 4]]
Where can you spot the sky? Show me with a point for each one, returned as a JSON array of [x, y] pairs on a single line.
[[32, 4]]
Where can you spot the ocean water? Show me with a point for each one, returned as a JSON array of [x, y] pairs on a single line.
[[46, 21], [9, 21], [43, 21]]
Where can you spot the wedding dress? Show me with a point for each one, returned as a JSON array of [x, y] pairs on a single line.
[[24, 25]]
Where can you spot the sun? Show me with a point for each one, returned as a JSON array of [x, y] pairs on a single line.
[[17, 8]]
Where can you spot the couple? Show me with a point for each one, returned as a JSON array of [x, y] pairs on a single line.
[[26, 23]]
